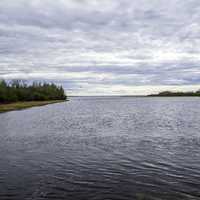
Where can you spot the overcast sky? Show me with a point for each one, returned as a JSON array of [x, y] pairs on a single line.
[[96, 47]]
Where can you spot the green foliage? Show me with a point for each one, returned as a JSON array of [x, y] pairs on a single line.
[[17, 90]]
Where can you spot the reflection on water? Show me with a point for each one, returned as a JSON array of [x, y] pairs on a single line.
[[102, 148]]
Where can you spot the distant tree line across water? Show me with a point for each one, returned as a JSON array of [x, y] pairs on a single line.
[[17, 90], [177, 94]]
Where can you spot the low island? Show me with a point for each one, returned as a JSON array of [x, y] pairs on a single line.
[[16, 95], [176, 94]]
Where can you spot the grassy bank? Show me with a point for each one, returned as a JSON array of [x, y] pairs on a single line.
[[23, 105]]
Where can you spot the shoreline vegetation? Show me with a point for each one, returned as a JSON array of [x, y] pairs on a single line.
[[24, 105], [17, 94], [176, 94]]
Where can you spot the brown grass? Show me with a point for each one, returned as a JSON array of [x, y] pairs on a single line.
[[24, 105]]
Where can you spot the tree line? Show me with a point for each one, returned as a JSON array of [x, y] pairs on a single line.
[[175, 94], [18, 90]]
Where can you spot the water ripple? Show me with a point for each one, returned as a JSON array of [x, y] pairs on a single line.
[[102, 148]]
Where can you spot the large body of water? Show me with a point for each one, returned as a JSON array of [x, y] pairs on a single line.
[[102, 149]]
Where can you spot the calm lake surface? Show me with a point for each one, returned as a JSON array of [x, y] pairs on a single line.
[[105, 148]]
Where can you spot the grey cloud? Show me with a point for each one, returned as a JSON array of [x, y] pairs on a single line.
[[106, 43]]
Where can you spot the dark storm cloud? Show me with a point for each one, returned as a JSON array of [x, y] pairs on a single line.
[[103, 46]]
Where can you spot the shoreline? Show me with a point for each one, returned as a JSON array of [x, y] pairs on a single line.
[[24, 105]]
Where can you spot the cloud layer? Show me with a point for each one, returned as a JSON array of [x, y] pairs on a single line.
[[102, 47]]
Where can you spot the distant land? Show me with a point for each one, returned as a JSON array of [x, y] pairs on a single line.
[[170, 94], [161, 94], [176, 94]]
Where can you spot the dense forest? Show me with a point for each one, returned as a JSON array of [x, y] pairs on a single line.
[[17, 90], [175, 94]]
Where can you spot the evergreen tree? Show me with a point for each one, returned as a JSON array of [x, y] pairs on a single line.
[[18, 90]]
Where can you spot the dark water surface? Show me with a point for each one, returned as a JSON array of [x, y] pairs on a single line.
[[102, 149]]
